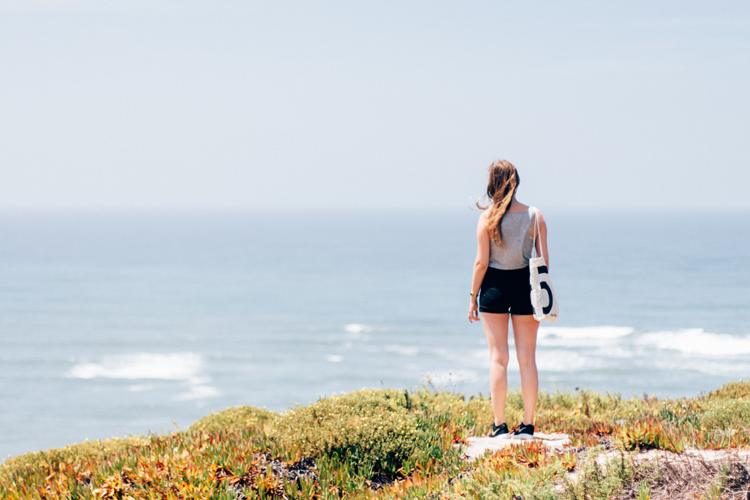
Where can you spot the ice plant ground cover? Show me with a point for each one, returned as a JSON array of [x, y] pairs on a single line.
[[399, 444]]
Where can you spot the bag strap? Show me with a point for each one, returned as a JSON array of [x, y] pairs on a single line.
[[537, 234]]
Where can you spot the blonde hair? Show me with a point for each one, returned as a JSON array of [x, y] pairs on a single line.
[[501, 186]]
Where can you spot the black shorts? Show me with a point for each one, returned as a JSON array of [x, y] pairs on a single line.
[[506, 291]]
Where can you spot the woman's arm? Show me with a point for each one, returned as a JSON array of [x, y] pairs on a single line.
[[480, 266], [541, 240]]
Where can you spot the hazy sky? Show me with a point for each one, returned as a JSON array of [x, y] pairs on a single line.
[[156, 104]]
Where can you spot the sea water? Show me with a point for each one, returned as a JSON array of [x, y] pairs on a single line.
[[115, 324]]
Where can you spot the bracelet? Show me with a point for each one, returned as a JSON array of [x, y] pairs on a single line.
[[472, 294]]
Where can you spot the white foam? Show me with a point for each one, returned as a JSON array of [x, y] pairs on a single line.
[[614, 352], [184, 367], [357, 328], [698, 341], [585, 332], [571, 350], [177, 366], [334, 358]]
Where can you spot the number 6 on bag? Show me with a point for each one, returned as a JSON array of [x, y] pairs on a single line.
[[542, 295]]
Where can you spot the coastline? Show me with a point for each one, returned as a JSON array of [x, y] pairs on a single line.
[[166, 317]]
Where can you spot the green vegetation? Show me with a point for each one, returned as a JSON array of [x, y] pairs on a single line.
[[234, 419], [370, 428], [375, 444], [732, 390]]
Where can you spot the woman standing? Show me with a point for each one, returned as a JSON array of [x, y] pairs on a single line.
[[505, 236]]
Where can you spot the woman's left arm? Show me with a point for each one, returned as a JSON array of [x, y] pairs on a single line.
[[541, 241]]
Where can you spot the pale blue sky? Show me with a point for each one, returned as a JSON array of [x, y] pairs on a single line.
[[372, 104]]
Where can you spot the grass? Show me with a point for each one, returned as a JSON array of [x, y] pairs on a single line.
[[374, 444]]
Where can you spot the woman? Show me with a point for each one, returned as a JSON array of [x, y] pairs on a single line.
[[505, 236]]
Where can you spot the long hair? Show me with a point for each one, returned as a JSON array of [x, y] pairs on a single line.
[[501, 186]]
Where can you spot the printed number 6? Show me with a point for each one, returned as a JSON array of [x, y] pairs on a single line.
[[545, 286]]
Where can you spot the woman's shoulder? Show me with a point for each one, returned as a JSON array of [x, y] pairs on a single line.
[[532, 212], [536, 213]]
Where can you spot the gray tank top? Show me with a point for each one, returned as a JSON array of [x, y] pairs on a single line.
[[518, 244]]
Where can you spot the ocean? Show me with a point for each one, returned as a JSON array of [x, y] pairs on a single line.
[[116, 324]]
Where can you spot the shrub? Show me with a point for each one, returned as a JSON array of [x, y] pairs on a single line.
[[100, 450], [597, 481], [237, 418], [726, 414], [732, 390], [371, 431]]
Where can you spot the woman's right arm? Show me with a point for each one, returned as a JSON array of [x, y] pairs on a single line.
[[541, 238], [480, 266]]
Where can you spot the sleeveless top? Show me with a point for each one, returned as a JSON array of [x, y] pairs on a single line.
[[518, 244]]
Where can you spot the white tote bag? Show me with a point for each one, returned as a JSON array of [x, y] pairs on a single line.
[[543, 298]]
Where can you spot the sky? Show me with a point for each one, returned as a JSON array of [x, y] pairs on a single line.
[[381, 104]]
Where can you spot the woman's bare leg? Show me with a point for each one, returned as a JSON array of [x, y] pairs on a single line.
[[496, 330], [524, 332]]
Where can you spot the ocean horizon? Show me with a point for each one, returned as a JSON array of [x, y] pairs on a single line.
[[116, 323]]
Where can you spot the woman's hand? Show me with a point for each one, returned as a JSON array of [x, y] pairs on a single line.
[[473, 310]]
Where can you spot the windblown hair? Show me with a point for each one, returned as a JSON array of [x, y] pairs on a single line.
[[501, 186]]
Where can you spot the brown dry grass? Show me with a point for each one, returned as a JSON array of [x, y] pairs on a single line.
[[668, 476]]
